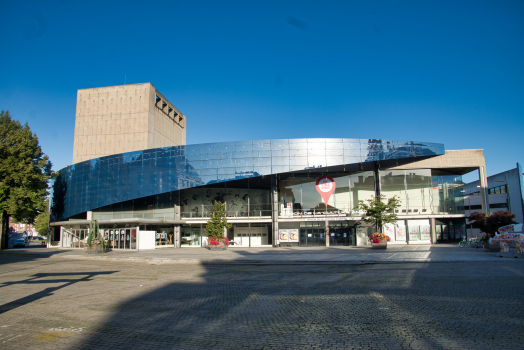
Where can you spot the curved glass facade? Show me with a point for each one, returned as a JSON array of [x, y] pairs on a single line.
[[122, 177]]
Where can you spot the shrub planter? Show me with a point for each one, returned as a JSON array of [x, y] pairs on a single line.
[[382, 245], [221, 246], [95, 249]]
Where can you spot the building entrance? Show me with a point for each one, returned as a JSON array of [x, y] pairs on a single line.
[[120, 238], [341, 234]]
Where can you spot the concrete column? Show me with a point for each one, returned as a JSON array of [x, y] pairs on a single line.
[[327, 233], [378, 186], [176, 229], [274, 209], [89, 215], [483, 180], [433, 231]]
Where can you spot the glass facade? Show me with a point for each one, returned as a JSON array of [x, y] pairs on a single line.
[[298, 192], [421, 192], [123, 177]]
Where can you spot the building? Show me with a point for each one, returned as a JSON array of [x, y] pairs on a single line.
[[505, 192], [117, 119], [277, 192]]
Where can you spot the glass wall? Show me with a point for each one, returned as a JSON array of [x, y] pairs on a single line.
[[312, 234], [421, 192], [450, 230], [245, 198], [122, 177], [411, 187], [192, 236], [448, 195], [342, 233], [299, 196]]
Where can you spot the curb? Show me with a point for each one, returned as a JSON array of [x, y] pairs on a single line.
[[171, 261]]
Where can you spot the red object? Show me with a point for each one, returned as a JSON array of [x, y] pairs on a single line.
[[325, 187]]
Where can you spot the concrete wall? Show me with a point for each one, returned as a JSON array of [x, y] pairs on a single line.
[[125, 118], [511, 178]]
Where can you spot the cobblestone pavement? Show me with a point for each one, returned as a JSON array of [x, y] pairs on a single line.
[[268, 255], [79, 304]]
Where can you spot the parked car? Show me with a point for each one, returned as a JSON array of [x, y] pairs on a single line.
[[20, 242]]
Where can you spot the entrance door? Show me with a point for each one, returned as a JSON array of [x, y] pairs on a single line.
[[120, 238], [341, 236]]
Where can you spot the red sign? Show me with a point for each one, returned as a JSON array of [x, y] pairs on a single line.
[[326, 186]]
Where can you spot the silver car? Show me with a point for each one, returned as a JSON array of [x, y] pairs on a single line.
[[20, 242]]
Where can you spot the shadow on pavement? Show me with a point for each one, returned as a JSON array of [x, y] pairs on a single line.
[[335, 306], [47, 278]]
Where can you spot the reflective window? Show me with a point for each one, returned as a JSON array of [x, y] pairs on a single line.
[[121, 177]]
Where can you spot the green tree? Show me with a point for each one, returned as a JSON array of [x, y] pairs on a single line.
[[24, 172], [217, 222], [377, 212], [42, 220]]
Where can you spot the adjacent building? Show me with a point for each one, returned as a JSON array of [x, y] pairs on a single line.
[[505, 192], [117, 119]]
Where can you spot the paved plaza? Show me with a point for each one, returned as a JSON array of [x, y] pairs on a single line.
[[268, 255], [91, 303]]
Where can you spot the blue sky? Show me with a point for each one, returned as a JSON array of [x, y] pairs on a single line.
[[437, 71]]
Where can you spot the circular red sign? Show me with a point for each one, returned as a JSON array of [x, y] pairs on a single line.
[[325, 187]]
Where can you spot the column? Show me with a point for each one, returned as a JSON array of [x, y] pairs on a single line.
[[433, 231], [327, 233], [483, 180], [176, 229], [274, 209]]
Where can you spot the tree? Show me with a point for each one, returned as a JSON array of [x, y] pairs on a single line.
[[217, 223], [377, 212], [490, 224], [24, 172], [42, 220]]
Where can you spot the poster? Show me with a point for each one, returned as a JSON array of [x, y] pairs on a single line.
[[293, 235], [401, 233], [283, 235], [445, 232], [425, 233], [438, 230], [288, 235], [414, 233]]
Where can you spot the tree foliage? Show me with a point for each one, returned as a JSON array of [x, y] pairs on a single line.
[[42, 220], [378, 212], [24, 172], [217, 222], [490, 224]]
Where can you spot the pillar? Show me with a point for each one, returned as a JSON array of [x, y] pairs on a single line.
[[327, 233], [483, 180], [274, 209], [433, 231], [176, 229]]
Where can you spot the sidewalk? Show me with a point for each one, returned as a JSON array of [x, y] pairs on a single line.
[[448, 253]]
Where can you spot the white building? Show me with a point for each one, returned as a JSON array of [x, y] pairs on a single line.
[[505, 192]]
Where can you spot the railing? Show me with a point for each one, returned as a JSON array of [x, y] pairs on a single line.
[[317, 212], [229, 214]]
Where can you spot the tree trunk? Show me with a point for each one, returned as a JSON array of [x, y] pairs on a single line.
[[4, 230]]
